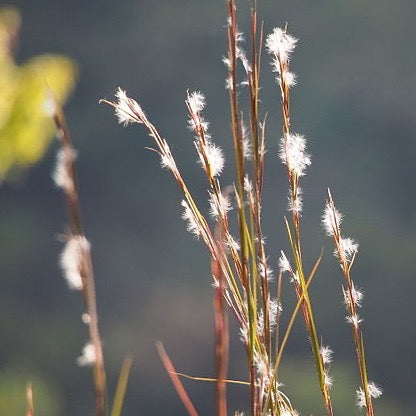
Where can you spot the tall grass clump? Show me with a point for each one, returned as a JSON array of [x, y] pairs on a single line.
[[232, 231], [243, 280], [240, 269]]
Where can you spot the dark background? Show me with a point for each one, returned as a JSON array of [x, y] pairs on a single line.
[[355, 103]]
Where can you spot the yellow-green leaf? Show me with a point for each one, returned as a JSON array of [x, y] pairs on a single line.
[[25, 128]]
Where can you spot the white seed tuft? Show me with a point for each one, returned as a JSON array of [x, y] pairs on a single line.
[[326, 354], [128, 110], [191, 223], [280, 44], [354, 320], [284, 265], [61, 174], [293, 154], [295, 203], [331, 220], [88, 357], [196, 102], [373, 390], [215, 158], [348, 248], [328, 380], [72, 259], [219, 205]]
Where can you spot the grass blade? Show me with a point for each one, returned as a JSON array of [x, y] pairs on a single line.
[[122, 382]]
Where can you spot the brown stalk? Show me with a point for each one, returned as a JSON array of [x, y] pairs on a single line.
[[301, 288], [258, 167], [221, 334], [87, 273], [30, 410], [237, 136], [170, 369], [280, 348], [240, 170], [352, 310]]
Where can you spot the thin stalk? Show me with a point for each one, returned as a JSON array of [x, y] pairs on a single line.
[[221, 334], [170, 369], [121, 388], [240, 171], [76, 229], [352, 306], [289, 327], [293, 179], [309, 319], [258, 166], [30, 409]]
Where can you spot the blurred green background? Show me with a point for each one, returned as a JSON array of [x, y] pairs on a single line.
[[355, 102]]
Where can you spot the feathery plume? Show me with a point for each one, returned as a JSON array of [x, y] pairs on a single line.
[[61, 175], [127, 110], [191, 222], [88, 357], [71, 261], [293, 153], [280, 44], [374, 391]]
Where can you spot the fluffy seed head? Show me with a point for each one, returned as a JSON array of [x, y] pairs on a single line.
[[294, 278], [373, 390], [61, 174], [275, 309], [248, 185], [348, 248], [127, 110], [356, 294], [232, 244], [265, 271], [328, 380], [215, 158], [219, 205], [295, 203], [196, 102], [289, 78], [72, 259], [360, 398], [88, 357], [246, 143], [280, 44], [244, 334], [284, 265], [326, 354], [191, 222], [331, 219], [86, 318], [354, 320], [293, 154]]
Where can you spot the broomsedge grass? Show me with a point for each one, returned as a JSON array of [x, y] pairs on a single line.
[[239, 264]]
